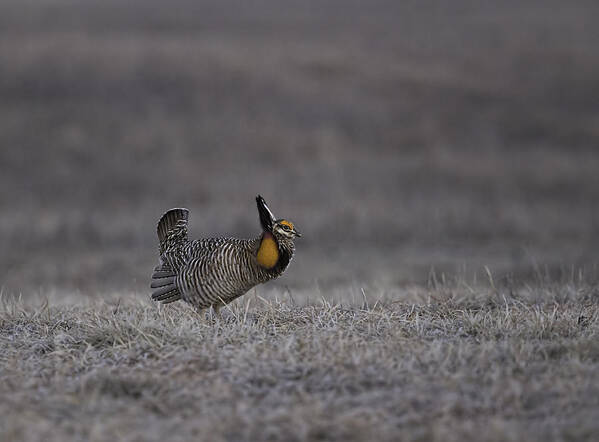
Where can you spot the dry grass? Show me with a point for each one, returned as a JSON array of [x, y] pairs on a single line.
[[444, 363]]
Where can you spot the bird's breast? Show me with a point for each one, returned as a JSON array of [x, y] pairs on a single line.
[[268, 252]]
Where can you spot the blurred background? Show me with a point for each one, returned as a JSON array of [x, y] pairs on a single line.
[[403, 138]]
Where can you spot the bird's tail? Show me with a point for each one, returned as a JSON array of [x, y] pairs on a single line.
[[164, 283], [172, 229], [172, 236]]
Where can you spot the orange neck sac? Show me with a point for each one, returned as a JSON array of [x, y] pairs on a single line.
[[268, 252]]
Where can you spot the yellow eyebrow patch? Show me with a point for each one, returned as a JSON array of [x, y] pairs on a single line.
[[268, 253], [287, 223]]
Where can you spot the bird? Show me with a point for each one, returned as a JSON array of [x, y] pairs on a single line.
[[212, 272]]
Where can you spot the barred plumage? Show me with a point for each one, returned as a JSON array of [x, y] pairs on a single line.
[[215, 271]]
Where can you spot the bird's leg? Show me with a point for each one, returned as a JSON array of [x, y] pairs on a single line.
[[209, 313], [213, 312]]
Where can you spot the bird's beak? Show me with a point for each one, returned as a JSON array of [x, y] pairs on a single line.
[[299, 235]]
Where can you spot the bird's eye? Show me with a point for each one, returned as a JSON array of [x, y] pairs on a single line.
[[285, 227]]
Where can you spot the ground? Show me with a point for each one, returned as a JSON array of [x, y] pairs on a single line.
[[446, 362]]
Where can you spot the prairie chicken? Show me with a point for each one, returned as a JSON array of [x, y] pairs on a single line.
[[215, 271]]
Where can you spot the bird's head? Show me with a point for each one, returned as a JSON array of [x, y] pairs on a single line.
[[281, 229]]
